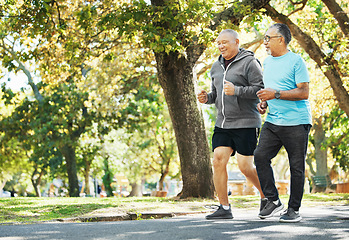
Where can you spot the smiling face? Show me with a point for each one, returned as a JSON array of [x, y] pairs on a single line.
[[274, 43], [228, 45]]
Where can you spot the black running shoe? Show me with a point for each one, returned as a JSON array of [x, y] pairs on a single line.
[[270, 209], [263, 203], [220, 214], [290, 216]]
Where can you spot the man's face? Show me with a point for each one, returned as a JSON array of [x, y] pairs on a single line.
[[273, 42], [227, 45]]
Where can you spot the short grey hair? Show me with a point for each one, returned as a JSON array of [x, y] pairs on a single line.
[[284, 31], [232, 32]]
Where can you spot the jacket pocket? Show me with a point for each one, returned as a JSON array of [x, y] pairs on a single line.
[[231, 106]]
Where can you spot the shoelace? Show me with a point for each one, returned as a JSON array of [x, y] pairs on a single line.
[[212, 206], [284, 212]]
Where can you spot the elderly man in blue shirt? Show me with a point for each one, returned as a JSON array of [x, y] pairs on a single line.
[[288, 122]]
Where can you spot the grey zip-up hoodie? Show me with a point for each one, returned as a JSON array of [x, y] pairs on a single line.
[[240, 109]]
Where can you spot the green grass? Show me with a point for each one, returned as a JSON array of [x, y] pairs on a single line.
[[28, 210], [43, 209]]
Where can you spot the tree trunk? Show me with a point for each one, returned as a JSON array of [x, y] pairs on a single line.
[[36, 182], [87, 177], [36, 188], [320, 149], [2, 184], [107, 178], [327, 65], [69, 155], [163, 175], [176, 79], [136, 190]]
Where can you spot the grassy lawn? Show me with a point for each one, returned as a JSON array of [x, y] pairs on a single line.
[[28, 210]]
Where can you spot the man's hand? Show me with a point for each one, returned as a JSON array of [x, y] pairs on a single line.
[[202, 96], [262, 107], [266, 94], [229, 88]]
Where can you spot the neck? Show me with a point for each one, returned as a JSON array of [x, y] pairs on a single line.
[[234, 55], [281, 53]]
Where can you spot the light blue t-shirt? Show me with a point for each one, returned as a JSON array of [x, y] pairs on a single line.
[[284, 73]]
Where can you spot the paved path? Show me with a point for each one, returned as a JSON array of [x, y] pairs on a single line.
[[322, 222]]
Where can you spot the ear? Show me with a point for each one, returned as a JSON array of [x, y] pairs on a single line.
[[237, 41], [282, 40]]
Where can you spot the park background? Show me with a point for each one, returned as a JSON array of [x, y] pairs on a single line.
[[98, 97]]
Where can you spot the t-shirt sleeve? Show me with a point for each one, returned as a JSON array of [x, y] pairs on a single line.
[[301, 71]]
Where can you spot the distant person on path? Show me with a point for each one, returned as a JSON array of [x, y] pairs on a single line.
[[287, 124], [236, 78]]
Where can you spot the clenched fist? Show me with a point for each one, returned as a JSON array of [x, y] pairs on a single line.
[[229, 88], [262, 107], [202, 96]]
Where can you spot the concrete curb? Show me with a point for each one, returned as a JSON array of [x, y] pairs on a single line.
[[127, 217], [111, 218]]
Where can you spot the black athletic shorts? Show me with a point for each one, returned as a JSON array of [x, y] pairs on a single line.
[[242, 140]]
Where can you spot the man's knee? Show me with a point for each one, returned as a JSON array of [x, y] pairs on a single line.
[[298, 172], [258, 155], [221, 157], [220, 160]]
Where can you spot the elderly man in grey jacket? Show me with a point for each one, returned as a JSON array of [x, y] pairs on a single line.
[[236, 77]]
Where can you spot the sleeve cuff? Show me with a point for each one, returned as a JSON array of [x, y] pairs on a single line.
[[237, 91]]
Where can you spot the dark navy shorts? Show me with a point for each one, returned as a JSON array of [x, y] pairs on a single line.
[[242, 140]]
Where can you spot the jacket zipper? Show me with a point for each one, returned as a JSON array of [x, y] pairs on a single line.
[[225, 72]]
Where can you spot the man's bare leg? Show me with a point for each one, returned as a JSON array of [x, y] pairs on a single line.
[[247, 168], [221, 157]]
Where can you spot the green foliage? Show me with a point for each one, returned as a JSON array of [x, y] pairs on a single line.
[[107, 178], [61, 113], [149, 135], [43, 128], [168, 28], [7, 95], [337, 137], [336, 127]]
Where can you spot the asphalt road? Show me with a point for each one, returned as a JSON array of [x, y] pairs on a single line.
[[321, 222]]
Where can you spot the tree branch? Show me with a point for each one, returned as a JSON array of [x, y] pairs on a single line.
[[339, 15], [309, 162], [234, 14], [303, 2], [21, 66], [338, 141]]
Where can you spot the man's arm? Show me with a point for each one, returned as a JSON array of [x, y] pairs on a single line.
[[254, 77], [299, 93], [211, 97]]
